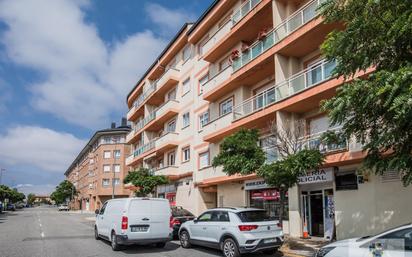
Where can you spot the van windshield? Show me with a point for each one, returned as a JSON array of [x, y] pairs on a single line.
[[254, 216]]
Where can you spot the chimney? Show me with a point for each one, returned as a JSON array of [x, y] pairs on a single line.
[[113, 126], [124, 122]]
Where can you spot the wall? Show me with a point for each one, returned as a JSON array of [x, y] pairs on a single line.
[[233, 195]]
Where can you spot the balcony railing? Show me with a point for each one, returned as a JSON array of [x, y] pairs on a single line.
[[305, 79], [143, 96], [165, 76], [170, 170], [217, 124], [165, 138], [243, 10], [314, 142], [217, 79], [295, 21], [225, 29], [144, 148]]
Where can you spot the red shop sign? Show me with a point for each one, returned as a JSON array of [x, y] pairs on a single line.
[[271, 195], [257, 195]]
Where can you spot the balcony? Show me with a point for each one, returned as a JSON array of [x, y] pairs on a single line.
[[251, 17], [136, 109], [287, 27], [139, 153], [217, 124], [163, 113], [166, 142], [217, 36], [299, 82], [217, 79], [314, 142], [167, 81], [166, 171]]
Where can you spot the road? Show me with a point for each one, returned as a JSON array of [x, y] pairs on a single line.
[[45, 232]]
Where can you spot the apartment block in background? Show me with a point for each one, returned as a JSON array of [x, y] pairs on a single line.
[[99, 167], [249, 64]]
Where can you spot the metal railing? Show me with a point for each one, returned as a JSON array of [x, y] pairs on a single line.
[[217, 79], [305, 79], [219, 34], [314, 142], [143, 96], [243, 10], [296, 20], [144, 148]]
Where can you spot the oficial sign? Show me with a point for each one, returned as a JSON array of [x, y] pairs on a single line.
[[317, 176]]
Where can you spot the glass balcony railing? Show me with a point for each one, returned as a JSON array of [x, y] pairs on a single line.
[[305, 79], [143, 96], [315, 142], [243, 10], [296, 20], [144, 148]]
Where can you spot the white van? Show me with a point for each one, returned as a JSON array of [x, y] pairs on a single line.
[[129, 221]]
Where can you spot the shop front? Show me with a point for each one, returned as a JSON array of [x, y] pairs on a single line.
[[317, 203], [262, 196], [168, 192]]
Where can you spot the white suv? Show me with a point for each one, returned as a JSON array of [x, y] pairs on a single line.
[[233, 230]]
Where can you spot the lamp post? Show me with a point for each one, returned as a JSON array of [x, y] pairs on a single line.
[[1, 175], [114, 140]]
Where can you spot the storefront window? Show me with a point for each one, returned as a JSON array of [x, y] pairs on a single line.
[[269, 200]]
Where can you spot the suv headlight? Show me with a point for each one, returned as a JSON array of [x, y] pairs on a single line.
[[324, 250]]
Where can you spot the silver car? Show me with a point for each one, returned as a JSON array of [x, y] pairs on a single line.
[[233, 230]]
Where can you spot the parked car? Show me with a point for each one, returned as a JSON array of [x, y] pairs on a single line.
[[234, 231], [20, 205], [134, 221], [63, 207], [392, 243], [10, 207], [1, 207], [179, 216]]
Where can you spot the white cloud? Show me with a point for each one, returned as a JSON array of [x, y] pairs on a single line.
[[46, 189], [168, 20], [85, 81], [42, 148]]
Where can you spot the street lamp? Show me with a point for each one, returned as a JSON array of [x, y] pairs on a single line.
[[1, 175]]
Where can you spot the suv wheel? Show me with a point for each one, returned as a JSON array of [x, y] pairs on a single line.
[[184, 239], [230, 248], [96, 233], [113, 240]]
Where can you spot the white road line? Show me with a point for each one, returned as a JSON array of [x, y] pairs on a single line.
[[42, 234], [40, 224]]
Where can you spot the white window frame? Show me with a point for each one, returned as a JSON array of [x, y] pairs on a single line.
[[204, 165], [223, 109], [115, 166], [114, 181], [105, 184], [117, 154], [204, 119], [186, 120], [169, 125], [171, 155], [186, 154], [186, 86], [107, 154], [186, 53], [202, 81], [105, 166]]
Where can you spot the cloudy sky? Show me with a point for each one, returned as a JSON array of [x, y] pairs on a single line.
[[66, 67]]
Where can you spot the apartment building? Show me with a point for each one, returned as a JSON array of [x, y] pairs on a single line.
[[100, 167], [248, 64]]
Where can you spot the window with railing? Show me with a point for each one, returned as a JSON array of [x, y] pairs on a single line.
[[243, 10]]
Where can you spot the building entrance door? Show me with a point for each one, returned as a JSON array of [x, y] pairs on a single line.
[[316, 210]]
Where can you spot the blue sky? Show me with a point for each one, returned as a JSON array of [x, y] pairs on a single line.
[[66, 67]]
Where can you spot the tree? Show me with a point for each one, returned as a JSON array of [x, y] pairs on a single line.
[[376, 108], [31, 198], [65, 190], [13, 195], [240, 153], [144, 181]]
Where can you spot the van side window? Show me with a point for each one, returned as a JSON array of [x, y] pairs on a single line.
[[102, 209]]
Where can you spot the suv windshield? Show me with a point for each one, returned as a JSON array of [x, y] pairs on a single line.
[[178, 212], [254, 216]]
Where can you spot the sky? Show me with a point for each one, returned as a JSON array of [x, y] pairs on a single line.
[[66, 67]]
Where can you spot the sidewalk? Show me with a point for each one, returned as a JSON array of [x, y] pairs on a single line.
[[302, 247]]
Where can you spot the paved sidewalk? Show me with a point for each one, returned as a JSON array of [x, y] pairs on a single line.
[[302, 247]]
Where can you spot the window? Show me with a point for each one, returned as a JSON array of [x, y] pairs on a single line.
[[171, 158], [186, 86], [186, 120], [224, 20], [116, 154], [220, 216], [91, 161], [171, 126], [398, 240], [116, 181], [107, 140], [346, 181], [186, 53], [106, 182], [106, 168], [116, 167], [186, 154], [202, 82], [103, 208], [223, 64], [226, 106], [204, 160], [204, 119], [106, 154], [201, 45], [205, 217], [171, 95]]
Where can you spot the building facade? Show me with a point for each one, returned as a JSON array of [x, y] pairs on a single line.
[[100, 167], [255, 64]]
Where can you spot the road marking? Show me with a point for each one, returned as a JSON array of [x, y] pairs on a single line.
[[40, 224], [42, 234]]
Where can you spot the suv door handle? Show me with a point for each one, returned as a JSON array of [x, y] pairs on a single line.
[[145, 219]]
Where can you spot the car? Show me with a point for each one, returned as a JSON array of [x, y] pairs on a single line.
[[129, 221], [1, 207], [179, 216], [10, 207], [391, 243], [235, 231], [63, 207]]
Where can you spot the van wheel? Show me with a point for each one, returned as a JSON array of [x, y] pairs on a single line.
[[160, 245], [184, 239], [96, 233], [113, 240], [230, 248]]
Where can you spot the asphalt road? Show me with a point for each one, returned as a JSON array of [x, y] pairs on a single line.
[[45, 232]]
